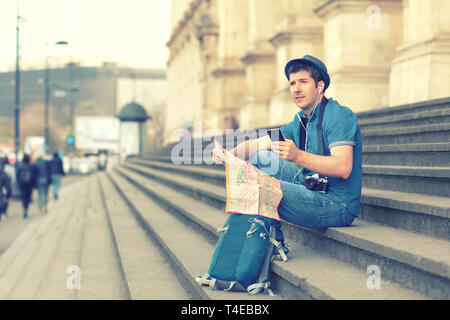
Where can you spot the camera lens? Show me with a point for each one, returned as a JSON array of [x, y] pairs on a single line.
[[311, 184]]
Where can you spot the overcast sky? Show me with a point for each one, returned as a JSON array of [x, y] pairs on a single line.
[[131, 32]]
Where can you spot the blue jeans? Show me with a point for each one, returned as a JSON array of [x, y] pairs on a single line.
[[56, 183], [299, 205], [42, 187]]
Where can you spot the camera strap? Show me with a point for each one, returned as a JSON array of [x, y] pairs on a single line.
[[320, 143]]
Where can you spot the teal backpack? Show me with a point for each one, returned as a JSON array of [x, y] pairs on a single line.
[[243, 254]]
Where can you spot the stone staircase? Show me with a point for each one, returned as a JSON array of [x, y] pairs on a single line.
[[403, 227], [148, 228]]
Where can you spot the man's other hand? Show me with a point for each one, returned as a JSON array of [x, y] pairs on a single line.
[[216, 158]]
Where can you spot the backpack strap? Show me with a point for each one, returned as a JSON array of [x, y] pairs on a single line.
[[279, 247], [257, 287], [263, 278], [319, 129]]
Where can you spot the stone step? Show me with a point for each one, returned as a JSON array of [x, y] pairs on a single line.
[[147, 273], [191, 150], [425, 214], [298, 278], [417, 212], [164, 158], [439, 132], [214, 174], [360, 247], [428, 111], [24, 264], [417, 154], [435, 104], [412, 179], [101, 271], [407, 120]]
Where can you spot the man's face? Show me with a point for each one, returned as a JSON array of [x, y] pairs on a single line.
[[303, 90]]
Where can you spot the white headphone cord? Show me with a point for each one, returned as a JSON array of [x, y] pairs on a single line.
[[306, 139]]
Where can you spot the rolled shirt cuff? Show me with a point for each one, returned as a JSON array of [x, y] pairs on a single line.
[[341, 143]]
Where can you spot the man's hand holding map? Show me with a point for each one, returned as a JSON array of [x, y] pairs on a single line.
[[249, 190]]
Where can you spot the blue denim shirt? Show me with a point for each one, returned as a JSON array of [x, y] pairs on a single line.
[[340, 127]]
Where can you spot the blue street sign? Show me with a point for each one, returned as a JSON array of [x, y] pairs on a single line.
[[70, 140]]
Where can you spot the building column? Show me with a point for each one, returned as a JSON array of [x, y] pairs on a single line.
[[298, 31], [259, 61], [359, 39], [421, 67], [207, 34], [230, 72]]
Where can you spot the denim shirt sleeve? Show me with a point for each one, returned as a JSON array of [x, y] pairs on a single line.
[[341, 128]]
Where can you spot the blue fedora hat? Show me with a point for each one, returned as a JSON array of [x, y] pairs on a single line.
[[314, 62]]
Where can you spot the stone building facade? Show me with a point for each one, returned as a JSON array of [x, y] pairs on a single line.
[[227, 57]]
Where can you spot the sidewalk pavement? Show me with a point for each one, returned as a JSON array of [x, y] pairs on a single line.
[[14, 223]]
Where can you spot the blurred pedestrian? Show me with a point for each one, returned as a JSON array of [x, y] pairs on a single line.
[[5, 189], [230, 123], [102, 160], [26, 180], [41, 168], [56, 171], [10, 171]]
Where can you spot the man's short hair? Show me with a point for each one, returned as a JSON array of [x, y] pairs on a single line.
[[300, 66]]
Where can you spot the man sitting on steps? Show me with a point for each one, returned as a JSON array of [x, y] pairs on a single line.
[[319, 191]]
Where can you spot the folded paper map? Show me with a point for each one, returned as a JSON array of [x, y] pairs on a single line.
[[249, 190]]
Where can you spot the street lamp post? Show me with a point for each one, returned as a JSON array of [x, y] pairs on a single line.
[[47, 103], [47, 97], [17, 92], [72, 91]]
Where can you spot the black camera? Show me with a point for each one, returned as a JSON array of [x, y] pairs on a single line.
[[316, 183]]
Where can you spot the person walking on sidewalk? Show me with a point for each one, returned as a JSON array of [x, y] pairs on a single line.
[[43, 179], [56, 171], [26, 180], [5, 189], [10, 170]]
